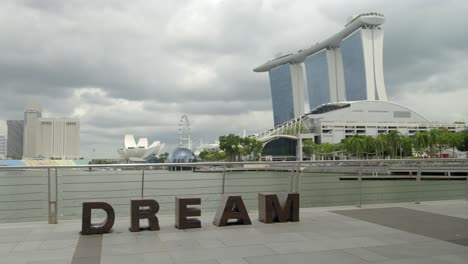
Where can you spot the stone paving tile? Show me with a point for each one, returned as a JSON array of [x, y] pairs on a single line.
[[207, 234], [159, 258], [11, 238], [41, 255], [251, 239], [232, 261], [211, 261], [323, 257], [228, 252], [58, 244], [50, 261], [324, 244], [113, 239], [456, 258], [365, 254], [210, 243], [131, 248], [320, 237], [419, 249], [7, 247], [399, 237], [27, 246]]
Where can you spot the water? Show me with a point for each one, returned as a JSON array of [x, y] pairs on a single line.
[[24, 194]]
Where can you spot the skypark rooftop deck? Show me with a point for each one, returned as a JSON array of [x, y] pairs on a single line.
[[431, 232]]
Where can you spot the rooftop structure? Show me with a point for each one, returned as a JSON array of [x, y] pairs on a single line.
[[345, 67], [372, 19]]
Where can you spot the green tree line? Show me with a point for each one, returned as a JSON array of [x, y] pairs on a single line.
[[233, 148], [392, 145]]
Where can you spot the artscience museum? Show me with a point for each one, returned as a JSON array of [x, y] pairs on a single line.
[[140, 151]]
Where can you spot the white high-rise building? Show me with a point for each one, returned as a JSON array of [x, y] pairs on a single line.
[[345, 67], [56, 138], [3, 139], [31, 116]]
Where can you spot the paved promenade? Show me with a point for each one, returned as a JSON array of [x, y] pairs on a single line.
[[431, 232]]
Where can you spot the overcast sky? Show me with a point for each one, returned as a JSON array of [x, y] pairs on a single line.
[[134, 67]]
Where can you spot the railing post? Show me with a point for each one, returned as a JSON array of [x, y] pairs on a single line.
[[360, 183], [466, 179], [224, 177], [53, 190], [298, 174], [418, 183], [291, 179], [142, 183]]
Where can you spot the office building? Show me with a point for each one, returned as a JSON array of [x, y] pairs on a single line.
[[58, 138], [15, 139], [50, 138], [345, 67], [3, 139], [31, 117]]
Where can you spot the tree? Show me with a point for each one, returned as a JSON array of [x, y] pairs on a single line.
[[234, 146], [462, 143], [381, 145], [420, 141], [230, 144], [369, 145], [163, 156], [394, 143], [309, 147], [251, 148], [406, 146], [203, 155]]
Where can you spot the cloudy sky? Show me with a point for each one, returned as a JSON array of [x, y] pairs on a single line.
[[137, 66]]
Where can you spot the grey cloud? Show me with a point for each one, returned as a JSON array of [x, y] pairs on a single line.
[[152, 61]]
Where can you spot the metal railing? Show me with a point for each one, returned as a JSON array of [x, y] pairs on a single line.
[[57, 192]]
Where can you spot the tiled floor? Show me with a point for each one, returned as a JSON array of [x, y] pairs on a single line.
[[321, 237]]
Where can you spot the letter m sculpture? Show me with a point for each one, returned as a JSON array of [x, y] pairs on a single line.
[[278, 208]]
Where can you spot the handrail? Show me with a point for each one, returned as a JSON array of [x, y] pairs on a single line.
[[223, 163]]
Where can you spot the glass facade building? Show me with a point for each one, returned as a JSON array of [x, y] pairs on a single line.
[[15, 139], [318, 81], [352, 50], [281, 94]]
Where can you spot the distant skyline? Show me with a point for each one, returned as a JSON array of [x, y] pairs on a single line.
[[134, 67]]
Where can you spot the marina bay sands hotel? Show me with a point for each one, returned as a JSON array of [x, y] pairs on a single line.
[[345, 67]]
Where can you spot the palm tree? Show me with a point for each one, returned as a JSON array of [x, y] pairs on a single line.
[[421, 141], [393, 143], [381, 144]]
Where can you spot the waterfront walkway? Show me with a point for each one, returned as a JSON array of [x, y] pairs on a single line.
[[431, 232]]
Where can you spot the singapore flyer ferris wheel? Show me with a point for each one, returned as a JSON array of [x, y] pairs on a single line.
[[185, 134]]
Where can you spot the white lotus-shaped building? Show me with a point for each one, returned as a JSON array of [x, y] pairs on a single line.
[[140, 150]]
